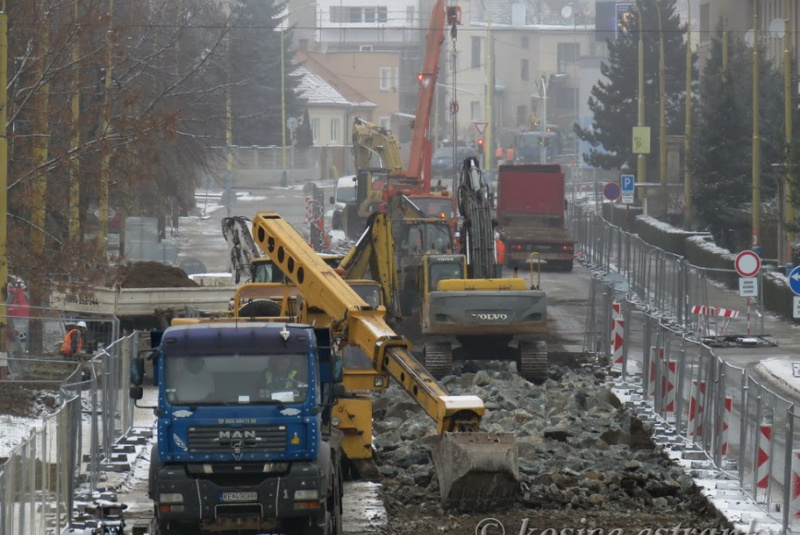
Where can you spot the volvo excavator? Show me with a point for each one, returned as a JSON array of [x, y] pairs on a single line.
[[476, 470], [455, 304]]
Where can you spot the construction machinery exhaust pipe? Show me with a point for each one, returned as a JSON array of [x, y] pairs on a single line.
[[477, 471]]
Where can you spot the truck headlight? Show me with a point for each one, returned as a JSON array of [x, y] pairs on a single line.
[[170, 497], [305, 495], [378, 381], [335, 421]]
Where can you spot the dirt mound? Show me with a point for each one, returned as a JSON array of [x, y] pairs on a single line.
[[152, 275]]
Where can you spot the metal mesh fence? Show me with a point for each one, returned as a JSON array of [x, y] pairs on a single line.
[[37, 481], [650, 313]]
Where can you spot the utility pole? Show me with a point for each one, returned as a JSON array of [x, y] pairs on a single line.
[[787, 112], [74, 161], [105, 162], [488, 151], [756, 135], [3, 157], [41, 144], [687, 134]]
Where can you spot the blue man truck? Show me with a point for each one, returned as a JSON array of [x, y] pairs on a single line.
[[236, 452]]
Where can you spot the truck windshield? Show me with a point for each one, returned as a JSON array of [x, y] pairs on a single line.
[[236, 379], [441, 207]]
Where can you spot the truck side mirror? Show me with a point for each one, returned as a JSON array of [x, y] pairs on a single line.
[[333, 200], [136, 392], [137, 372]]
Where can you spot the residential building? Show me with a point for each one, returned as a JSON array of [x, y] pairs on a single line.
[[332, 107], [739, 17]]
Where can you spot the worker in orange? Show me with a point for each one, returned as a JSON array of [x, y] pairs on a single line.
[[498, 155], [510, 155], [500, 247], [72, 346]]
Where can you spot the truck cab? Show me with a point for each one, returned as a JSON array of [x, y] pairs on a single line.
[[238, 447]]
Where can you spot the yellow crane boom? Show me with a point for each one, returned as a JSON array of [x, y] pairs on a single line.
[[477, 471]]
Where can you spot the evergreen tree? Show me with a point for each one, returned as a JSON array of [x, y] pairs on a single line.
[[257, 77], [722, 142], [614, 101]]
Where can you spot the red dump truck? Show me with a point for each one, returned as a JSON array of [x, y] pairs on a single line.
[[530, 215]]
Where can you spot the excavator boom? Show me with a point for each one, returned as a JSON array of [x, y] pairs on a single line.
[[477, 471]]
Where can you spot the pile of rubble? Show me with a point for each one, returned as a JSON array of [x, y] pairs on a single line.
[[581, 452]]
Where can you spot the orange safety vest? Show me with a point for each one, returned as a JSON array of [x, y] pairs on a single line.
[[501, 251], [66, 345]]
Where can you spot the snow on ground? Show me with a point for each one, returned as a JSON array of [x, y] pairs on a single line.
[[15, 431]]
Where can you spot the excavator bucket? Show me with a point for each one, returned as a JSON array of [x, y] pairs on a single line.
[[477, 471]]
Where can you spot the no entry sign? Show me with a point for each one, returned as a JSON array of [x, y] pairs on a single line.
[[747, 264]]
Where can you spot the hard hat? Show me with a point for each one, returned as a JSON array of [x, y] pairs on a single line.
[[81, 324]]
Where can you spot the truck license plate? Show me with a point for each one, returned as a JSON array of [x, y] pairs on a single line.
[[238, 496]]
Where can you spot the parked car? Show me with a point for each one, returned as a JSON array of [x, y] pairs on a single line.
[[344, 191], [442, 165]]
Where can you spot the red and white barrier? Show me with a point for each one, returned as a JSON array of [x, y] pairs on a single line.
[[707, 311], [762, 464], [668, 375], [726, 423], [696, 402], [794, 504], [617, 335]]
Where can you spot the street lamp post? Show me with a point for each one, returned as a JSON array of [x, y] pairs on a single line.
[[641, 162], [662, 119]]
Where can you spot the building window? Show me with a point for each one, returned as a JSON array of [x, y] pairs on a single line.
[[568, 53], [384, 122], [474, 110], [524, 72], [354, 14], [410, 14], [334, 131], [525, 42], [382, 17], [475, 62], [315, 130], [369, 14], [385, 75]]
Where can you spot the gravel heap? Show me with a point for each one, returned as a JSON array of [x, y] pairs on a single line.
[[579, 448]]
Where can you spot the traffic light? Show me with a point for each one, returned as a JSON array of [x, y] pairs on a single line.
[[481, 143], [623, 12]]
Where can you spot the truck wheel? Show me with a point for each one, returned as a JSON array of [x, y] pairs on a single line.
[[568, 265], [336, 220]]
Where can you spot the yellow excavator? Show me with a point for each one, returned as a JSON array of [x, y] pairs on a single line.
[[454, 304], [476, 470]]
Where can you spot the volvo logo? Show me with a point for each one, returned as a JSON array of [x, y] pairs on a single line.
[[485, 316]]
